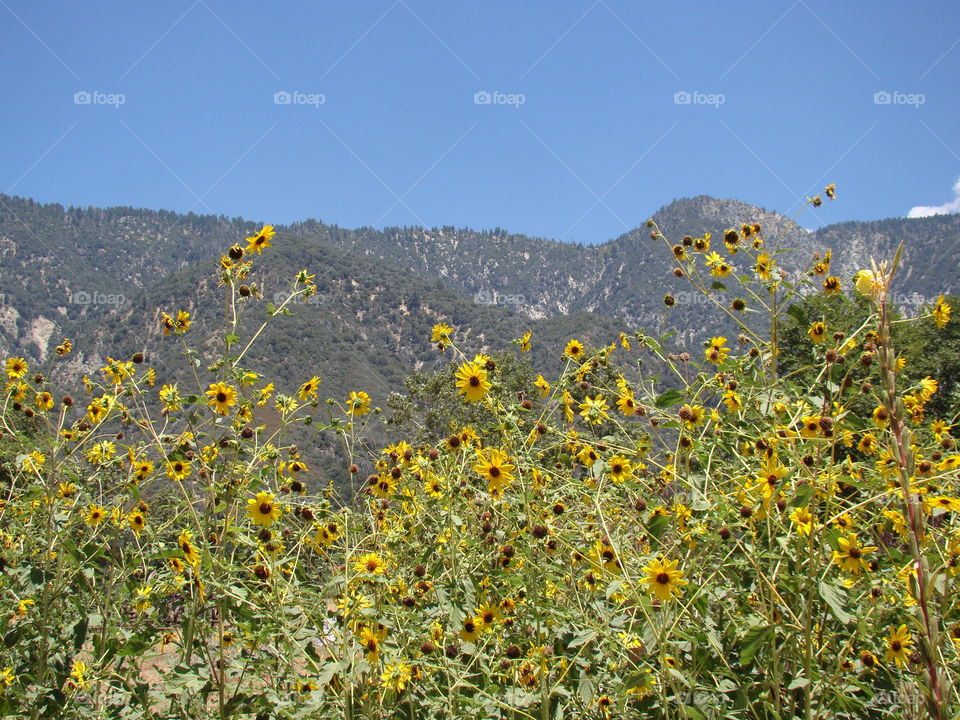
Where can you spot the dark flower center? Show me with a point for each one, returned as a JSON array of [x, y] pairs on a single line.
[[494, 472], [266, 508], [663, 578], [854, 553], [474, 381]]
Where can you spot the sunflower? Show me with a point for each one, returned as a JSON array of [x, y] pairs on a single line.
[[810, 426], [222, 397], [817, 332], [899, 644], [717, 351], [525, 345], [116, 371], [396, 676], [263, 510], [768, 480], [880, 416], [603, 555], [620, 469], [16, 368], [763, 267], [472, 382], [627, 404], [371, 644], [440, 334], [803, 519], [471, 630], [326, 534], [190, 553], [137, 521], [169, 396], [941, 312], [664, 579], [308, 390], [257, 243], [101, 452], [381, 485], [370, 564], [692, 415], [33, 461], [928, 388], [44, 401], [945, 503], [832, 285], [850, 557], [542, 385], [732, 400], [496, 467], [574, 350], [95, 515], [433, 486], [594, 409], [179, 470], [142, 469], [358, 403], [486, 616], [867, 444], [182, 323], [718, 266]]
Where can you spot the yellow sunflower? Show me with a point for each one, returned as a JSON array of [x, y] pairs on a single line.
[[263, 510], [472, 382], [663, 578], [222, 397]]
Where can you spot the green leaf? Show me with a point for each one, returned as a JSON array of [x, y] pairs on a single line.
[[717, 285], [834, 598], [80, 634], [657, 525], [582, 638], [668, 398], [803, 495], [798, 682], [231, 339], [753, 641], [797, 313]]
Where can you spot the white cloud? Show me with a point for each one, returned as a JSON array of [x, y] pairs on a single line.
[[951, 206]]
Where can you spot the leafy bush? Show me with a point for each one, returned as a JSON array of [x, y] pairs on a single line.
[[725, 541]]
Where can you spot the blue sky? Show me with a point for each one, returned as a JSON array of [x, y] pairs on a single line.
[[571, 120]]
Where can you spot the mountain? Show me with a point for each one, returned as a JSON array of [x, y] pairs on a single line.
[[102, 276], [67, 271]]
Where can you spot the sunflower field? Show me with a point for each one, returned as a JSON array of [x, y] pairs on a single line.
[[719, 540]]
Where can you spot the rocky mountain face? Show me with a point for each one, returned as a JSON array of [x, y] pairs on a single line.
[[84, 272]]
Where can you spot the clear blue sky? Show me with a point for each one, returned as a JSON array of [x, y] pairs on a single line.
[[781, 101]]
